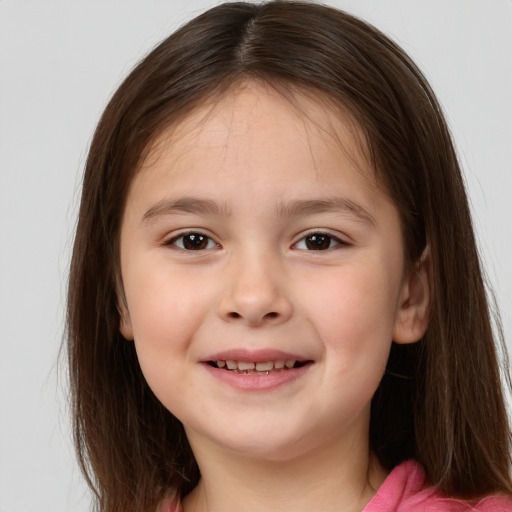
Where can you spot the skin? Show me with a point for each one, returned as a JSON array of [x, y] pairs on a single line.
[[256, 284]]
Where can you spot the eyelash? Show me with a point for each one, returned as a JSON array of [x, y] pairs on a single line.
[[318, 238], [192, 234], [321, 237]]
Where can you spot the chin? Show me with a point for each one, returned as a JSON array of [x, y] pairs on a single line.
[[265, 444]]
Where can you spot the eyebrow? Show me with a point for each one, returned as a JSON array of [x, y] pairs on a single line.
[[185, 205], [200, 206], [333, 204]]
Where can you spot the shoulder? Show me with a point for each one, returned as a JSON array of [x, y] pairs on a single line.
[[407, 490]]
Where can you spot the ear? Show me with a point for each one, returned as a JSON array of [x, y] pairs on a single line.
[[125, 321], [414, 306]]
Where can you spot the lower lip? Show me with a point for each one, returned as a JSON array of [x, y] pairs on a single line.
[[264, 382]]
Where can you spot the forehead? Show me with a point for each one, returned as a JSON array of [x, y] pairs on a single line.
[[257, 147], [255, 155], [290, 117]]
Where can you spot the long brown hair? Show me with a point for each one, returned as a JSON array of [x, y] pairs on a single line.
[[440, 401]]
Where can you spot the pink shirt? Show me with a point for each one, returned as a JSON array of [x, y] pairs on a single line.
[[406, 490]]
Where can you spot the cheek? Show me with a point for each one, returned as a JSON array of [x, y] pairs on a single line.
[[158, 298], [356, 314], [165, 311], [164, 323], [359, 299]]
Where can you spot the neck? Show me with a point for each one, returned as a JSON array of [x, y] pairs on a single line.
[[341, 478]]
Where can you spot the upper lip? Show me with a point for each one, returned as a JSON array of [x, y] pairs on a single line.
[[254, 356]]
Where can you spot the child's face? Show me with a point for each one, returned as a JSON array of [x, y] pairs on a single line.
[[219, 263]]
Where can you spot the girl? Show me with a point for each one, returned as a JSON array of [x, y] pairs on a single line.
[[275, 297]]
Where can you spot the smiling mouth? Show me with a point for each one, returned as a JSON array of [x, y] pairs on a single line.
[[263, 368]]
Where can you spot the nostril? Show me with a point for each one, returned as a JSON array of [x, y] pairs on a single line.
[[234, 314]]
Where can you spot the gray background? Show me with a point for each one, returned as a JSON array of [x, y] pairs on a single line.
[[59, 63]]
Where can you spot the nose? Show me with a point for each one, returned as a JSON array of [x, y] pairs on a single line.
[[254, 293]]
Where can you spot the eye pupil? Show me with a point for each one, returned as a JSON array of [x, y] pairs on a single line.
[[195, 241], [318, 242]]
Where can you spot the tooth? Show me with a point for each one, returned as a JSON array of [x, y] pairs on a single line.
[[221, 364], [289, 363], [265, 367], [245, 366], [231, 365], [278, 365]]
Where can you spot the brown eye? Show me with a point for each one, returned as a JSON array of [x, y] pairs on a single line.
[[317, 242], [193, 242]]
